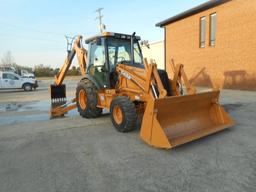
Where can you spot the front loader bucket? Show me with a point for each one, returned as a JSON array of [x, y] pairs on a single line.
[[173, 121]]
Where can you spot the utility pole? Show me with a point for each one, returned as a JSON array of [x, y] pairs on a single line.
[[102, 27]]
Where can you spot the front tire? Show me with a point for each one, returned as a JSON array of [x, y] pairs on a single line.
[[87, 99], [27, 87], [123, 114]]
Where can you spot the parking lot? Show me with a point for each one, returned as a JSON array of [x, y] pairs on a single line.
[[75, 154]]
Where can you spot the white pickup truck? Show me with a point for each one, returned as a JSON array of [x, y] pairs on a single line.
[[10, 80]]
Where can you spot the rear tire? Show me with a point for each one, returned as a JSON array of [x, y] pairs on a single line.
[[123, 114], [87, 99]]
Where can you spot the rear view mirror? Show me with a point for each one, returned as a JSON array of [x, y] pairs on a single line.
[[145, 43]]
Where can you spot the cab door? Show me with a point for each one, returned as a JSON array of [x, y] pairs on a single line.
[[10, 81], [97, 64]]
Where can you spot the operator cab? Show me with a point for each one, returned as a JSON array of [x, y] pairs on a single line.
[[107, 50]]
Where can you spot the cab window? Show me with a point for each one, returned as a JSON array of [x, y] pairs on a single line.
[[118, 54], [119, 51], [9, 76], [97, 65], [97, 55], [137, 54]]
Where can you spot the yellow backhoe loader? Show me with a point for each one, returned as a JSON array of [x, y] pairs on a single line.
[[116, 78]]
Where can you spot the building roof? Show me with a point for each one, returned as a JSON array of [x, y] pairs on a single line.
[[207, 5]]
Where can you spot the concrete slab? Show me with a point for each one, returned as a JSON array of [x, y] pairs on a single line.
[[76, 154]]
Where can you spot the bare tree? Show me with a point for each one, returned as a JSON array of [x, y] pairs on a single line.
[[7, 59]]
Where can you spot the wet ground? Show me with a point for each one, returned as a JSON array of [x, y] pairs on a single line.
[[76, 154], [18, 106], [16, 112]]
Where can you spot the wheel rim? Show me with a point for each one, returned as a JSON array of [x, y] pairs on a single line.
[[27, 87], [82, 99], [118, 114]]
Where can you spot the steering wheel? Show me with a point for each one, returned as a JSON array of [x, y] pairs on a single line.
[[120, 59], [93, 68], [100, 68]]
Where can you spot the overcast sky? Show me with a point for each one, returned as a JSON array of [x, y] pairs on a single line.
[[34, 30]]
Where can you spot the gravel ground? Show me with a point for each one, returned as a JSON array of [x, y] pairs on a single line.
[[76, 154]]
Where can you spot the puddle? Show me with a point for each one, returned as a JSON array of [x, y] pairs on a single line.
[[16, 112], [42, 106], [25, 106], [36, 111]]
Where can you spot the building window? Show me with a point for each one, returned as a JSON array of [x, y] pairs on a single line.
[[202, 31], [213, 29]]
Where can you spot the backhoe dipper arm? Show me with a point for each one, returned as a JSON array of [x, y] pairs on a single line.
[[81, 57], [58, 90]]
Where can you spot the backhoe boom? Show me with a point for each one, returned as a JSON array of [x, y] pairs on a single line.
[[58, 89]]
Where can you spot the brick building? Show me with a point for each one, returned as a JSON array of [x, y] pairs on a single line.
[[216, 41]]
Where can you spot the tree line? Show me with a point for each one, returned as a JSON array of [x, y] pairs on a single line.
[[8, 63], [46, 71]]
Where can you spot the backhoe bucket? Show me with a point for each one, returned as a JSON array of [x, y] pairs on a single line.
[[58, 95], [173, 121]]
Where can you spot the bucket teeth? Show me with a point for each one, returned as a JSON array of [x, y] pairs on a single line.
[[59, 100], [56, 102]]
